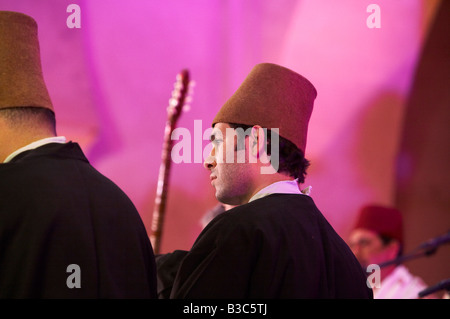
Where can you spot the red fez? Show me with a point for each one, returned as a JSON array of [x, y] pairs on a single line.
[[384, 221]]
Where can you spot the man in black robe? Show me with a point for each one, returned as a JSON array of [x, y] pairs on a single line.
[[66, 231], [275, 243]]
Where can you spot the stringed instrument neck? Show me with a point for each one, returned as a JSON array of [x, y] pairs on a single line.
[[180, 95]]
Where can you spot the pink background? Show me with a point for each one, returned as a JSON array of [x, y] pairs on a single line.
[[110, 82]]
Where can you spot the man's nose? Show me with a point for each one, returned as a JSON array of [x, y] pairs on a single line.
[[210, 161]]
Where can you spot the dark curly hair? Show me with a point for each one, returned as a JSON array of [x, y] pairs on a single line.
[[292, 160]]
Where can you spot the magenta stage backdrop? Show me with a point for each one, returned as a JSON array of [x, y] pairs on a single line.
[[110, 67]]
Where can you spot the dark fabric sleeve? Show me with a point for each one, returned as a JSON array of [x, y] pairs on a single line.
[[167, 267], [221, 262]]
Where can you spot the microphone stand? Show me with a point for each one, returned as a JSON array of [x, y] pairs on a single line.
[[418, 252], [444, 284], [426, 249]]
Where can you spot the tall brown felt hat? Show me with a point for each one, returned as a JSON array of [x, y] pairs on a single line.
[[21, 80], [272, 96], [385, 221]]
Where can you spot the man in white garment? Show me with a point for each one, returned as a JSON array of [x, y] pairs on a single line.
[[377, 237]]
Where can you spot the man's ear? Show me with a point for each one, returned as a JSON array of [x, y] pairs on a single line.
[[257, 141]]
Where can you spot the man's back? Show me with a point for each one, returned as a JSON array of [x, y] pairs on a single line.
[[279, 246], [57, 211]]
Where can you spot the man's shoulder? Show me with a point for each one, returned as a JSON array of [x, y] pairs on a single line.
[[275, 206], [272, 211], [275, 201], [58, 170]]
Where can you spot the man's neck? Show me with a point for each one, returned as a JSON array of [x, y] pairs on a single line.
[[266, 180], [18, 145]]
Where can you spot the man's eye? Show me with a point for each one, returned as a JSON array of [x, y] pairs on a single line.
[[364, 242]]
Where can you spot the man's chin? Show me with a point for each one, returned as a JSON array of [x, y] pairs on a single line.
[[224, 199]]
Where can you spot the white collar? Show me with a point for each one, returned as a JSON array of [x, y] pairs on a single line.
[[282, 187], [36, 144]]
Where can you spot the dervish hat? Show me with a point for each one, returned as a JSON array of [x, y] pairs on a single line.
[[21, 79], [272, 96]]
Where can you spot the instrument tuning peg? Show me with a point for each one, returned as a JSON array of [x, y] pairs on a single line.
[[173, 102], [177, 86]]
